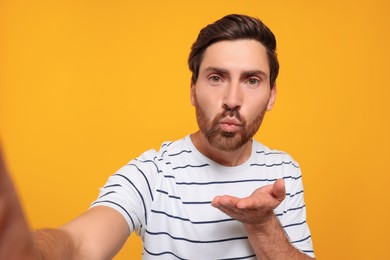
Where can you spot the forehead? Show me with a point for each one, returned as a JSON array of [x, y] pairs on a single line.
[[236, 56]]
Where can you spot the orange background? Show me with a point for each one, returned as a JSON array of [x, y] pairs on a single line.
[[87, 85]]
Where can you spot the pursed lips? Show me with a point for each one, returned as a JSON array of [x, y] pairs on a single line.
[[230, 124]]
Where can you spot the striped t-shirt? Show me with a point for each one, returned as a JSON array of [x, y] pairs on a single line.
[[165, 197]]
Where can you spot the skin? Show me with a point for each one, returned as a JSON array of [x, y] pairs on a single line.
[[15, 237], [97, 234], [233, 76]]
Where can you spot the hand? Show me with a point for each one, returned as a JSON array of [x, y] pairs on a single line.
[[15, 237], [256, 209]]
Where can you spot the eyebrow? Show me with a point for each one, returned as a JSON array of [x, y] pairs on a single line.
[[255, 72], [217, 70], [244, 74]]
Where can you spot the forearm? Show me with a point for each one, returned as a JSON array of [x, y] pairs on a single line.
[[53, 244], [270, 242], [15, 236]]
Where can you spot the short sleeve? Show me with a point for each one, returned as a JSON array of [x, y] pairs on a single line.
[[130, 191], [293, 217]]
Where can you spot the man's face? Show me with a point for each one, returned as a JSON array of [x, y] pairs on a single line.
[[232, 92]]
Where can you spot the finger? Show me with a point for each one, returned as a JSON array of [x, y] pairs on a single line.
[[215, 202], [4, 178], [225, 200], [2, 164], [279, 190], [246, 203]]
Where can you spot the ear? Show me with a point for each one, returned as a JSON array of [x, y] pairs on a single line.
[[272, 98], [192, 93]]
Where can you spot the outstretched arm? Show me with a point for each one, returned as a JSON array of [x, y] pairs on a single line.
[[97, 234], [15, 237], [265, 233]]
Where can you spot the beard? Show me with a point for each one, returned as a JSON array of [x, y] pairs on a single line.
[[223, 140]]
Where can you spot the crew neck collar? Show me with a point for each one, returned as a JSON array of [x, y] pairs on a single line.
[[221, 167]]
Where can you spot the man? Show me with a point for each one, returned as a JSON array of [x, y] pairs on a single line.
[[174, 198]]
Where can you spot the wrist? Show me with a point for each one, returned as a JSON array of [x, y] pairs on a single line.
[[263, 238], [268, 224]]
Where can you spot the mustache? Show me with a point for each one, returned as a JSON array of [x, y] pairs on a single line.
[[228, 113], [231, 112]]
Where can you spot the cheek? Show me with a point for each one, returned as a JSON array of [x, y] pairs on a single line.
[[254, 107], [209, 103]]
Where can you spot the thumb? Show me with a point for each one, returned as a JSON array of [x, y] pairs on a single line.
[[279, 190]]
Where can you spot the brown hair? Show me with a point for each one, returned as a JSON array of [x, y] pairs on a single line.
[[234, 27]]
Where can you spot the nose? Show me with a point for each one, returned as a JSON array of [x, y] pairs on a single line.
[[233, 97]]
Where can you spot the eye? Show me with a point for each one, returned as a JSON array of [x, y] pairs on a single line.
[[215, 79], [253, 82]]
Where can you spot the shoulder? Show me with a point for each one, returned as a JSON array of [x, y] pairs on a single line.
[[173, 148], [273, 156], [162, 156]]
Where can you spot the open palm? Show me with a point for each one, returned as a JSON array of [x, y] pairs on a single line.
[[254, 209]]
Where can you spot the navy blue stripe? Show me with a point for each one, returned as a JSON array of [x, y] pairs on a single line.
[[139, 193], [169, 176], [293, 195], [196, 202], [171, 253], [106, 194], [301, 240], [170, 196], [192, 222], [146, 161], [127, 213], [163, 253], [196, 241], [146, 179], [243, 257], [269, 153], [191, 166], [166, 144], [307, 251], [294, 224], [162, 191], [184, 151], [235, 181], [224, 182], [292, 209], [292, 177], [297, 208], [275, 164], [112, 185]]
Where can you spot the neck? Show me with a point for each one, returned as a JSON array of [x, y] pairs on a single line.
[[222, 157]]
